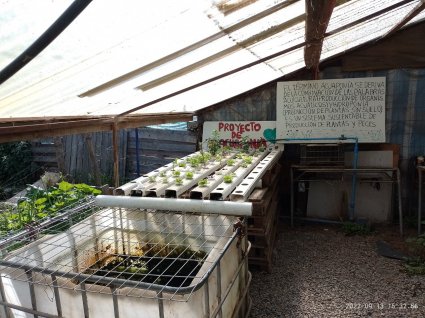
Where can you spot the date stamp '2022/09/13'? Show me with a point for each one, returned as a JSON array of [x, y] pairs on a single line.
[[382, 306]]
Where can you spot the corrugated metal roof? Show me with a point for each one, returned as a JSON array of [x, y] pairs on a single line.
[[167, 46]]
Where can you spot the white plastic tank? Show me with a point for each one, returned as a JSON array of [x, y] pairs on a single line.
[[62, 284]]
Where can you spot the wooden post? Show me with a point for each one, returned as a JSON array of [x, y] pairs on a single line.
[[318, 14], [93, 162], [115, 144]]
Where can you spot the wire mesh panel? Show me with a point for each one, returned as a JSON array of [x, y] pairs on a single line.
[[322, 155], [155, 261]]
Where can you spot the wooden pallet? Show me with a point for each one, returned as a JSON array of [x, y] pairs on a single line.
[[261, 198], [262, 226]]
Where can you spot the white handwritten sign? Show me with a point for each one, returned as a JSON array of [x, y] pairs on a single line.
[[260, 133], [353, 107]]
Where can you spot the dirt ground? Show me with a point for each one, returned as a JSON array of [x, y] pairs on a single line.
[[318, 271]]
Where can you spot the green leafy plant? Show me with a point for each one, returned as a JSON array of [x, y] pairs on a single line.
[[228, 178], [207, 156], [247, 160], [16, 167], [352, 228], [245, 144], [189, 175], [230, 162], [152, 179], [226, 150], [194, 162], [202, 157], [213, 143], [203, 183], [179, 181], [164, 180], [182, 164], [417, 245], [415, 266], [39, 204], [162, 174], [218, 157], [176, 173]]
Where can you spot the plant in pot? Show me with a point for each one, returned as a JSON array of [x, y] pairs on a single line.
[[152, 179], [247, 160], [194, 162], [213, 143], [245, 144], [203, 183], [176, 173], [228, 178], [230, 162], [179, 181]]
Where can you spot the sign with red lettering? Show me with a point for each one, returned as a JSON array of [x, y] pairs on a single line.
[[260, 133], [353, 107]]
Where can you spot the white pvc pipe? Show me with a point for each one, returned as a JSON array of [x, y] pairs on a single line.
[[184, 205]]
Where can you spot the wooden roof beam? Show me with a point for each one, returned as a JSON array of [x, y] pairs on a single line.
[[318, 14], [39, 130]]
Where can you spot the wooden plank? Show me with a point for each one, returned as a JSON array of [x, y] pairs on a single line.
[[74, 150], [65, 153], [180, 136], [164, 134], [123, 153], [105, 153], [40, 148], [43, 159], [269, 221], [258, 194], [271, 175], [92, 159], [167, 155], [149, 145], [80, 156], [40, 128], [59, 154], [149, 159]]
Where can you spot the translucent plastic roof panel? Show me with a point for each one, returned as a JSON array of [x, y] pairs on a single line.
[[123, 55], [364, 32], [20, 26]]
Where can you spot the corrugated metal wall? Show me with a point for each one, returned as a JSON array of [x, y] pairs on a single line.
[[405, 115]]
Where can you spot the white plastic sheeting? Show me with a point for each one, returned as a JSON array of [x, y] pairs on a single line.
[[166, 46]]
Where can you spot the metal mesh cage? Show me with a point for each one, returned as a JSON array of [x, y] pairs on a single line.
[[322, 155], [126, 253]]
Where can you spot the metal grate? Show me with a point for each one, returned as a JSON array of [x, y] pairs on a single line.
[[154, 254], [322, 155]]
